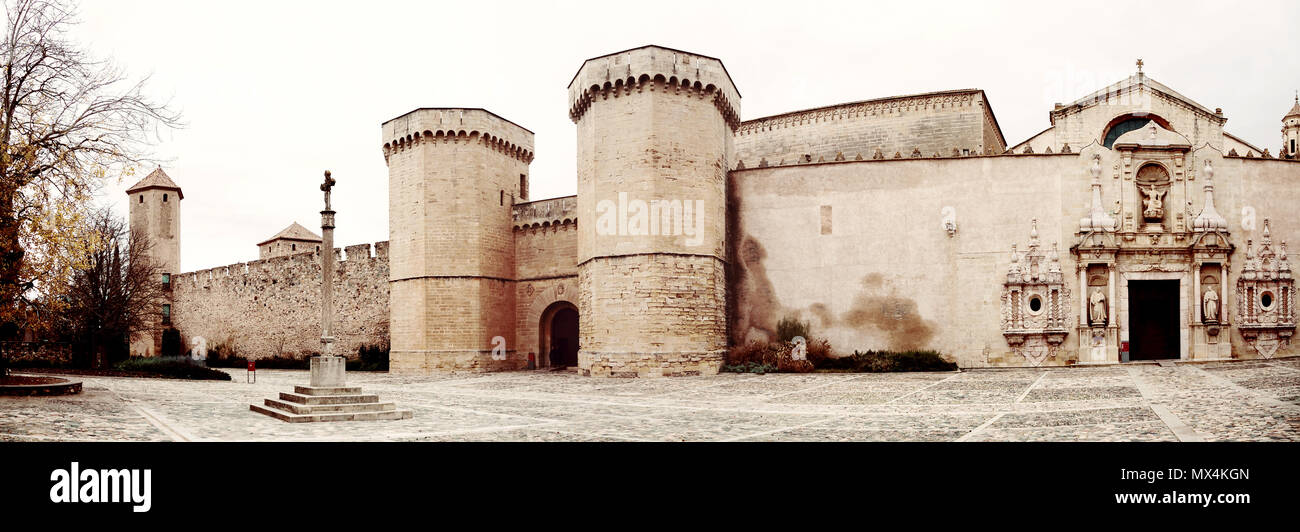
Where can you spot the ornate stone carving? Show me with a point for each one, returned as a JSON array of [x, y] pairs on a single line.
[[1097, 307], [1035, 302], [1210, 305], [1209, 220], [1098, 219], [1266, 296], [1152, 203]]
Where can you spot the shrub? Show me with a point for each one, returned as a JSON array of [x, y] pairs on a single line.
[[224, 355], [177, 368], [788, 328], [748, 367], [889, 361], [819, 350], [282, 362], [768, 354], [370, 358]]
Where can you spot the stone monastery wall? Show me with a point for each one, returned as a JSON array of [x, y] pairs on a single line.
[[271, 307], [922, 125]]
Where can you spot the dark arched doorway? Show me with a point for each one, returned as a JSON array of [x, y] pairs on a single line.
[[559, 335]]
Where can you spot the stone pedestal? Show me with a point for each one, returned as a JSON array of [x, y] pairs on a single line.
[[328, 371], [307, 404]]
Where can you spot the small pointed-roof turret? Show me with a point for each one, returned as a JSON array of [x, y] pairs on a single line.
[[156, 179]]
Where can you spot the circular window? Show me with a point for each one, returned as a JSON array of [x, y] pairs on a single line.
[[1035, 304], [1266, 300]]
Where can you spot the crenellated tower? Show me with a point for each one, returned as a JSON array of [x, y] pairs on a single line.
[[155, 206], [453, 177], [654, 145]]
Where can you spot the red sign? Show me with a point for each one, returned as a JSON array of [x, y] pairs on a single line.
[[1123, 346], [252, 366]]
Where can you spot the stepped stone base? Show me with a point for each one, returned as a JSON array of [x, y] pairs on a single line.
[[329, 403]]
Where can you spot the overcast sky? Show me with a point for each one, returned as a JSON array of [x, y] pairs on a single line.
[[275, 92]]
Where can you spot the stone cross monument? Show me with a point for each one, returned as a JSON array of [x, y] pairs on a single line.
[[327, 369], [328, 398]]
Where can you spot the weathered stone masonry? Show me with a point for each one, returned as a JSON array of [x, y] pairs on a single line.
[[272, 307]]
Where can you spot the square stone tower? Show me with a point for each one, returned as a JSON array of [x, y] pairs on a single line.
[[453, 177], [156, 213], [655, 129]]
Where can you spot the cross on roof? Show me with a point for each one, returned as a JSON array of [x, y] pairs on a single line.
[[1139, 63]]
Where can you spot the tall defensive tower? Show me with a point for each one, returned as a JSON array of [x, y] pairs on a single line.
[[654, 146], [156, 213], [453, 176]]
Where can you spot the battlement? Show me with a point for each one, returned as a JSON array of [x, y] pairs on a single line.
[[654, 68], [547, 212], [349, 256], [458, 125]]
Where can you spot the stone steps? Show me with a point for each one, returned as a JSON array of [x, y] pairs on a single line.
[[295, 408], [306, 404], [380, 415], [327, 390], [329, 399]]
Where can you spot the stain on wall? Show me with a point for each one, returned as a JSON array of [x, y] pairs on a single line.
[[896, 317]]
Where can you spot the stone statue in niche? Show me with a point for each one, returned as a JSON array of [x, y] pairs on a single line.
[[1153, 203], [1210, 305], [1097, 308]]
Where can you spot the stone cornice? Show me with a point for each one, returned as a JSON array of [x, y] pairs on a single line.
[[454, 125], [551, 212], [879, 106], [657, 69]]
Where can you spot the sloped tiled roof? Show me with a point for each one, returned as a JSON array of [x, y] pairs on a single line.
[[156, 179], [294, 232]]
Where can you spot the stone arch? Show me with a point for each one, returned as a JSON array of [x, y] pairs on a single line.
[[542, 296], [1130, 121], [558, 327]]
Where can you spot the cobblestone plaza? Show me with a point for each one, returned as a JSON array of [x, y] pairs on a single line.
[[1229, 401]]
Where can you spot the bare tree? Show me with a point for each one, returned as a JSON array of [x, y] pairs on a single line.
[[117, 294], [67, 122]]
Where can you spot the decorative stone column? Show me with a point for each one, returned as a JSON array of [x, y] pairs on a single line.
[[327, 398], [326, 369]]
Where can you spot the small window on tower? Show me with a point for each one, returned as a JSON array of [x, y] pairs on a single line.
[[167, 281], [167, 313], [293, 247], [164, 198], [142, 198], [503, 197], [1292, 145]]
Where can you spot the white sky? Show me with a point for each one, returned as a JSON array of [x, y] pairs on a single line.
[[275, 92]]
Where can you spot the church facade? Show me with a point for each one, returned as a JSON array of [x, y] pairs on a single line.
[[1134, 227]]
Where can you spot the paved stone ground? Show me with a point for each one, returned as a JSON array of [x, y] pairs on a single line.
[[1233, 401]]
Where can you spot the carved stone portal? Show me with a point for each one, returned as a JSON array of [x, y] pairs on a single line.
[[1035, 302], [1266, 297]]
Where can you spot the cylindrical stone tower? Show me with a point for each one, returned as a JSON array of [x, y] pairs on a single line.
[[654, 146], [453, 175]]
